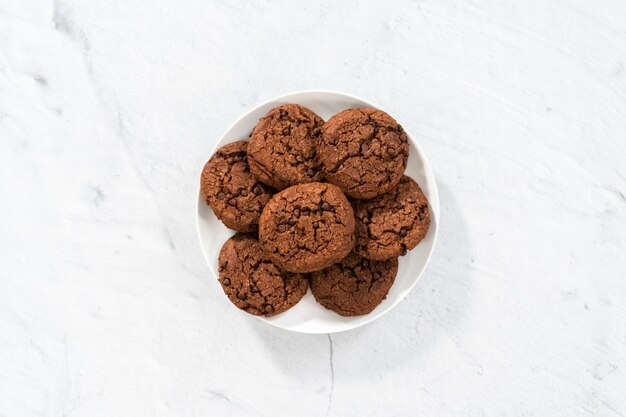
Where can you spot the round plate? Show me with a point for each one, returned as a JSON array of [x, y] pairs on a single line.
[[308, 316]]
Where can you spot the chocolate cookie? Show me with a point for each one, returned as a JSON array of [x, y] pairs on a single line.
[[391, 224], [307, 227], [253, 283], [355, 286], [283, 147], [232, 192], [363, 151]]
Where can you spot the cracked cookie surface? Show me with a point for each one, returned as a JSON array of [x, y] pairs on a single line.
[[232, 192], [307, 227], [363, 151], [393, 223], [253, 283], [283, 147], [355, 286]]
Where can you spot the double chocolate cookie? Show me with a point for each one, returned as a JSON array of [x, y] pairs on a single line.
[[283, 147], [232, 192], [355, 286], [363, 151], [393, 223], [253, 283], [307, 227]]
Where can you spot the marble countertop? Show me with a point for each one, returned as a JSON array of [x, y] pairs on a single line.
[[108, 110]]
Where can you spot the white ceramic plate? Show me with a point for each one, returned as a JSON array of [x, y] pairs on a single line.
[[308, 316]]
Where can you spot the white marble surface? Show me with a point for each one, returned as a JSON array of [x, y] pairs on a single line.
[[108, 110]]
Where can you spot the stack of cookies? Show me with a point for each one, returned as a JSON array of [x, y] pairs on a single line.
[[316, 203]]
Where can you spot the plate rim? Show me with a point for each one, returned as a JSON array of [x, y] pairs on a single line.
[[427, 168]]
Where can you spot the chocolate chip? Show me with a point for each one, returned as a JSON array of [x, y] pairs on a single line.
[[404, 251], [223, 265], [299, 158], [365, 220], [296, 212], [241, 296], [391, 152], [254, 288], [232, 202], [315, 225], [316, 131], [297, 122], [286, 131], [365, 263], [325, 206], [226, 281], [243, 193], [306, 211], [230, 160], [310, 172], [422, 213], [268, 308], [221, 195], [337, 220], [376, 275], [258, 190], [291, 222], [402, 232], [281, 228]]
